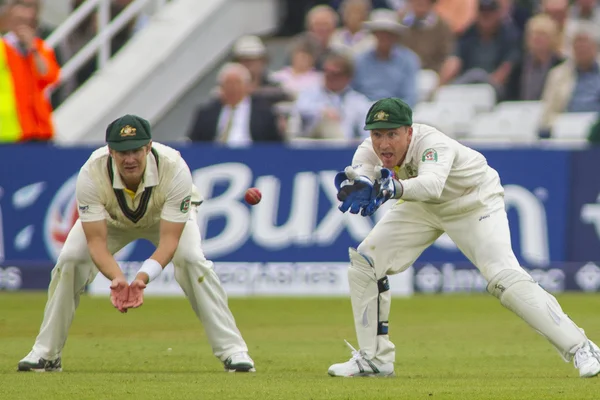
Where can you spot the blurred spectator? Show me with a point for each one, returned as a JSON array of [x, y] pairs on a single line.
[[459, 14], [321, 22], [334, 109], [294, 15], [516, 14], [558, 11], [574, 86], [390, 69], [236, 118], [486, 53], [3, 17], [427, 35], [27, 68], [389, 4], [585, 10], [302, 73], [581, 11], [352, 34], [251, 52], [528, 77]]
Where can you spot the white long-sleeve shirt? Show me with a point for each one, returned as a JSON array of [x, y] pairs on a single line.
[[436, 170]]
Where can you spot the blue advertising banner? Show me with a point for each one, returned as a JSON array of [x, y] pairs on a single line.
[[432, 278], [584, 218], [297, 219], [23, 275]]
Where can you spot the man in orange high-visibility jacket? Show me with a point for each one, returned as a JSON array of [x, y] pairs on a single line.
[[27, 68]]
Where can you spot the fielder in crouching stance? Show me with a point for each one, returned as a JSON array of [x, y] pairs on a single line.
[[444, 187], [135, 189]]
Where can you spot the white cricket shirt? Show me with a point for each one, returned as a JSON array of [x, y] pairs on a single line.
[[166, 191], [437, 169]]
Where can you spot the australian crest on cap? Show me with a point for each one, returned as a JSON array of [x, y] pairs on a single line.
[[381, 116], [128, 130]]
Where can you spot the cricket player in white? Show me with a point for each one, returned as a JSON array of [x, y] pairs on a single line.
[[442, 186], [135, 189]]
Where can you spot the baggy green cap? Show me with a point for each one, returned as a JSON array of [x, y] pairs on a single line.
[[128, 132], [388, 113]]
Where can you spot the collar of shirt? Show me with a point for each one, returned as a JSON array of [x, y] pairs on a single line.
[[411, 20], [594, 70], [245, 103], [149, 179], [576, 13], [12, 39], [410, 151], [396, 55], [350, 38], [341, 94]]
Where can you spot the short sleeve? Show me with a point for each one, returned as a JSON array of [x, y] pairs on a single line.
[[179, 195], [89, 202]]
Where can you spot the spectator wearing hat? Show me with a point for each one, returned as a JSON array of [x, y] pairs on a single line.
[[333, 109], [251, 52], [352, 34], [237, 118], [390, 69], [427, 34], [486, 53]]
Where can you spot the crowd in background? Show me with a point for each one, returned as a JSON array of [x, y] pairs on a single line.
[[30, 83], [343, 55]]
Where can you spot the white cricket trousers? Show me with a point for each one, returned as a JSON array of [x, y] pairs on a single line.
[[479, 229], [196, 276]]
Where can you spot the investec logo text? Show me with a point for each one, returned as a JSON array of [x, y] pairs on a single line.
[[310, 223]]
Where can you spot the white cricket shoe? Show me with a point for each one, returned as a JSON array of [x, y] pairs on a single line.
[[358, 365], [239, 362], [587, 360], [33, 362]]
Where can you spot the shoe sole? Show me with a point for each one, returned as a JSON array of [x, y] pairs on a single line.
[[590, 376], [38, 370], [363, 375], [240, 370]]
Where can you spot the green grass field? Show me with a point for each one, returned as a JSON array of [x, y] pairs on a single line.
[[448, 347]]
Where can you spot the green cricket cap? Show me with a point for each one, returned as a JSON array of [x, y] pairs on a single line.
[[128, 132], [388, 113]]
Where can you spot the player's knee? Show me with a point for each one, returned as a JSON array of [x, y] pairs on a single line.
[[71, 256], [366, 250], [190, 259], [506, 278], [360, 260]]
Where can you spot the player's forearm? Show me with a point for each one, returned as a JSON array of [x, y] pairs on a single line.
[[422, 188], [450, 69], [162, 255], [105, 262]]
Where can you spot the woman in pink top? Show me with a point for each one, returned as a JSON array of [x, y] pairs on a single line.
[[301, 74]]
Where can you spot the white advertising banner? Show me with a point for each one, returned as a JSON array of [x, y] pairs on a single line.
[[264, 279]]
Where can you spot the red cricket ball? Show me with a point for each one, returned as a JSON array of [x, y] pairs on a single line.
[[252, 196]]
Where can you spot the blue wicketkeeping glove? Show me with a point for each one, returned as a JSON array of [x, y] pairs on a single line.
[[354, 191], [384, 190]]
